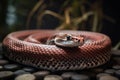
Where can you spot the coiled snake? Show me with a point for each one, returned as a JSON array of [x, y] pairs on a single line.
[[58, 50]]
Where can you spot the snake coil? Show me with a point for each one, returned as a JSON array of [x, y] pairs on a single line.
[[28, 47]]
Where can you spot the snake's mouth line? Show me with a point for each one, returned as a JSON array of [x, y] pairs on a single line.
[[38, 47]]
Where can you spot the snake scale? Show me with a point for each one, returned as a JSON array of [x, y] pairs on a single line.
[[29, 47]]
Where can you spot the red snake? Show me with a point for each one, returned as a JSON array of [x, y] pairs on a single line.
[[29, 47]]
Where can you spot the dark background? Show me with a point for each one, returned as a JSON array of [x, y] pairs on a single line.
[[110, 8]]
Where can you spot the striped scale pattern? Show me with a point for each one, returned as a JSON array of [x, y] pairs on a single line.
[[28, 47]]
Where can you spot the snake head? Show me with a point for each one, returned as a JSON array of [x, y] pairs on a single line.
[[68, 40]]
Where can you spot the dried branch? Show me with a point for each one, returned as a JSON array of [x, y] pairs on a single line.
[[54, 14], [39, 3], [95, 22], [67, 16], [117, 46], [84, 17], [40, 15]]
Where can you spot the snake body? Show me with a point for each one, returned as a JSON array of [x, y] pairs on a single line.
[[28, 47]]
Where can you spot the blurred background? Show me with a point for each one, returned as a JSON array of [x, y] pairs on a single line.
[[91, 15]]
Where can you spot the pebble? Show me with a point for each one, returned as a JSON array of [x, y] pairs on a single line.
[[115, 52], [3, 62], [108, 78], [80, 77], [1, 68], [101, 74], [29, 69], [110, 71], [92, 73], [20, 72], [5, 75], [41, 74], [116, 67], [11, 66], [53, 77], [25, 77], [67, 75]]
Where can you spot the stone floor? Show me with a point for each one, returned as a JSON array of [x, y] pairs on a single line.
[[13, 71]]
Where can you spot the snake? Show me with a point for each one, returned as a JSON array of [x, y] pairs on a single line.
[[58, 49]]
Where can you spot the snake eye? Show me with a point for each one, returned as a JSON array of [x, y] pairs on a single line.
[[68, 37]]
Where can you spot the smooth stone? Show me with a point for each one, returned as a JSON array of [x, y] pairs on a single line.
[[115, 52], [101, 74], [67, 75], [29, 69], [3, 62], [116, 67], [80, 77], [108, 78], [6, 74], [41, 74], [25, 77], [53, 77], [1, 68], [117, 73], [20, 72], [110, 71], [11, 66], [91, 73]]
